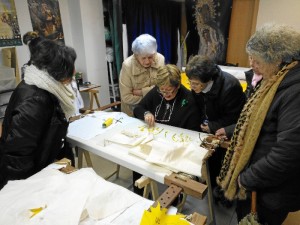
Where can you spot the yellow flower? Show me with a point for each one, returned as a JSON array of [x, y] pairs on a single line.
[[159, 216]]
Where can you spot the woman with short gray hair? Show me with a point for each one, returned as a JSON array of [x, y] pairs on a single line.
[[138, 73], [264, 153]]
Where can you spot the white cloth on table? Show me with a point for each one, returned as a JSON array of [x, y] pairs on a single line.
[[178, 157], [66, 197]]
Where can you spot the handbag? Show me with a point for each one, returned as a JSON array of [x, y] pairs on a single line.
[[251, 218]]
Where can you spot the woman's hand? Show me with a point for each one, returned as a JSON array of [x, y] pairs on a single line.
[[205, 128], [137, 92], [149, 119]]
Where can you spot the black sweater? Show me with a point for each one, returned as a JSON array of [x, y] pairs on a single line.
[[182, 111]]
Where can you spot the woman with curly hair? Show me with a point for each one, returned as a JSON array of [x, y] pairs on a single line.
[[264, 153]]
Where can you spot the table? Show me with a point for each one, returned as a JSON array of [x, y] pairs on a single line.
[[119, 153]]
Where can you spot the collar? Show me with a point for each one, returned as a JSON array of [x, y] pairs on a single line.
[[208, 87]]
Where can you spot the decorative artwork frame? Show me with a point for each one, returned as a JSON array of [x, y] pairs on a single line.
[[46, 19], [9, 27]]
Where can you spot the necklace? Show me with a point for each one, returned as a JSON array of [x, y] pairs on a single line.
[[169, 108]]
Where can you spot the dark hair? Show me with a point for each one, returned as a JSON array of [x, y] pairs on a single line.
[[58, 60], [201, 68]]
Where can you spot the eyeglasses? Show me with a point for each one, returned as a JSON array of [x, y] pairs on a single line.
[[195, 84], [167, 92]]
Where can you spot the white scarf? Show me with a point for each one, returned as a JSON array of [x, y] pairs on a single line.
[[41, 79]]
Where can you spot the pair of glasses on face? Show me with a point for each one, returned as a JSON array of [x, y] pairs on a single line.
[[195, 84], [167, 92]]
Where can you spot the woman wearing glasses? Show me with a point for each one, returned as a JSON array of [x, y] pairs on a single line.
[[221, 97], [169, 102], [218, 93]]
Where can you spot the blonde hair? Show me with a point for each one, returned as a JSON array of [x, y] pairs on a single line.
[[168, 75]]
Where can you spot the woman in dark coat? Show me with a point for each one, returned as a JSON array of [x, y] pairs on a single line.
[[218, 94], [36, 119], [220, 97], [264, 154]]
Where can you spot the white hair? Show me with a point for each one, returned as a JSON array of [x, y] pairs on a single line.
[[144, 44]]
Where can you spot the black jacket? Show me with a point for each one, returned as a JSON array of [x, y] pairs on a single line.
[[185, 113], [274, 168], [223, 103], [33, 132]]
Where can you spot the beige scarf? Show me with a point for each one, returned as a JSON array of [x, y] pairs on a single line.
[[64, 94], [246, 133]]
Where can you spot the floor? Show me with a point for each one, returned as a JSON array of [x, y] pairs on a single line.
[[224, 216]]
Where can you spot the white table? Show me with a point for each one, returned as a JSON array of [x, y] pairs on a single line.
[[119, 154]]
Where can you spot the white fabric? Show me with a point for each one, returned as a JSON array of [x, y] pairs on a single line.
[[126, 137], [67, 196], [41, 79], [177, 157]]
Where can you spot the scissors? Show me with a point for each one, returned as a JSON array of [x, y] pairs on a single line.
[[119, 120]]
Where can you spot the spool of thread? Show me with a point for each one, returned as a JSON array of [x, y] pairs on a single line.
[[107, 122]]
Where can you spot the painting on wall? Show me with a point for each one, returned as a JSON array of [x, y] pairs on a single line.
[[208, 24], [9, 27], [46, 19]]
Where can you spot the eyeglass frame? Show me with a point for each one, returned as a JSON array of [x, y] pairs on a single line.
[[163, 93]]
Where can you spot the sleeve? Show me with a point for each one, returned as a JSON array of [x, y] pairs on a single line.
[[232, 102], [146, 104], [126, 86], [28, 123], [229, 130], [282, 160]]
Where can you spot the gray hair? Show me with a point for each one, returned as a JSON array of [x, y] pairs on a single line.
[[274, 42], [144, 44]]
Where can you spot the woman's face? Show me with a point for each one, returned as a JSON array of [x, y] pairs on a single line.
[[197, 86], [168, 92], [145, 60], [267, 70]]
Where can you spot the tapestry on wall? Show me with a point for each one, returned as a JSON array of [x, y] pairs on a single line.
[[46, 19], [9, 27], [208, 26]]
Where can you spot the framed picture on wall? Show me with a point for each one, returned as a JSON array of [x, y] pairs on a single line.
[[46, 19], [9, 27]]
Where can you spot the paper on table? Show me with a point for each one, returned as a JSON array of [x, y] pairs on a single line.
[[86, 128], [91, 125]]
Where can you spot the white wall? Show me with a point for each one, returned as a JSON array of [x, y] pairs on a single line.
[[279, 11], [83, 28]]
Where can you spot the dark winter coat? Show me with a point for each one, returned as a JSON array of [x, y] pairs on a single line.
[[274, 168], [33, 132], [221, 105]]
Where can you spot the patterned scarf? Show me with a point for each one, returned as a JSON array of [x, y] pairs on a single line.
[[246, 134], [64, 94]]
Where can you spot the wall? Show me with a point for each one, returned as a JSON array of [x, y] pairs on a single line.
[[83, 27], [284, 12]]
